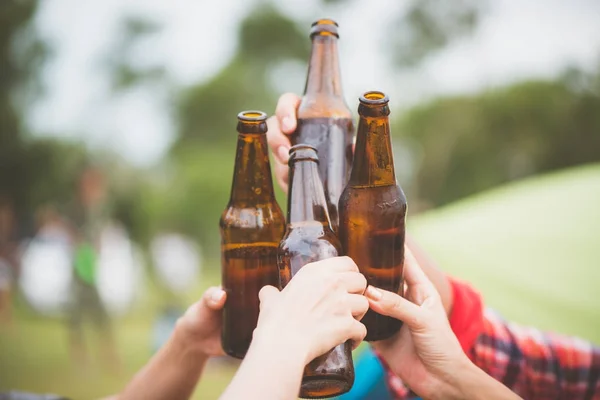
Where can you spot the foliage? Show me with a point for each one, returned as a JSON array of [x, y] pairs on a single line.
[[471, 143]]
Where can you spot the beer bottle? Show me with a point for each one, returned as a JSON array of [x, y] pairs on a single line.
[[251, 226], [373, 211], [324, 119], [309, 238]]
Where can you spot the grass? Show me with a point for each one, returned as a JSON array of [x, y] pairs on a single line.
[[529, 247]]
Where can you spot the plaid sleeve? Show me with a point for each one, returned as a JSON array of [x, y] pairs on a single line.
[[537, 365]]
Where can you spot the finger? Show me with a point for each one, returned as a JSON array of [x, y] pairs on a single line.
[[340, 264], [352, 281], [267, 294], [355, 332], [415, 277], [286, 112], [214, 298], [359, 305], [278, 142], [282, 175], [392, 305]]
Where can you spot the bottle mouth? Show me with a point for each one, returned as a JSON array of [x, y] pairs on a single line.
[[252, 116], [301, 152], [324, 21], [374, 98], [324, 27]]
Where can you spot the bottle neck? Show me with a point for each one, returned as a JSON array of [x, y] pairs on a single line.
[[306, 199], [324, 77], [252, 182], [373, 158]]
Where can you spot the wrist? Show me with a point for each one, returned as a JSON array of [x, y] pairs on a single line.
[[186, 343], [277, 344], [467, 381]]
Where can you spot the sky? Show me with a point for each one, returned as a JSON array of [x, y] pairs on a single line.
[[516, 40]]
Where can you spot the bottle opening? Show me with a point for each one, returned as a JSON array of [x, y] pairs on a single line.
[[252, 116], [324, 21], [324, 27], [301, 152], [374, 98], [297, 147]]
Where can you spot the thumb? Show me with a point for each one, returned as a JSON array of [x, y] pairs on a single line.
[[395, 306], [214, 298], [267, 294]]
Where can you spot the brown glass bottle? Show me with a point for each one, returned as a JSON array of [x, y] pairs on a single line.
[[373, 211], [252, 226], [309, 238], [324, 119]]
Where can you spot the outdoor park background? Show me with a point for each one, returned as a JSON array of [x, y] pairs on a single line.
[[496, 129]]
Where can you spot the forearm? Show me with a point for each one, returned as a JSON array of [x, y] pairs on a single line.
[[268, 372], [171, 374], [471, 383]]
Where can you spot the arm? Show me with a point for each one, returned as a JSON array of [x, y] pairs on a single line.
[[174, 371], [269, 368], [171, 374], [474, 384]]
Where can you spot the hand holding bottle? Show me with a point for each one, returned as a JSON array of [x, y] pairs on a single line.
[[317, 310], [425, 353]]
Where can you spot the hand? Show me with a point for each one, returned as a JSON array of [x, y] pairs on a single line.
[[280, 126], [201, 323], [316, 311], [425, 353]]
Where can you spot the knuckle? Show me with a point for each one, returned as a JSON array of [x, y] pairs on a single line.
[[362, 330], [350, 262], [363, 281], [364, 306]]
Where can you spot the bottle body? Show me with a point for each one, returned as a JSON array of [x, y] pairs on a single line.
[[251, 228], [372, 233], [309, 238], [373, 211], [332, 373]]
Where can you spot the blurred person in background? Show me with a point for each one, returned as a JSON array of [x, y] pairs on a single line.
[[534, 364], [88, 216], [8, 259]]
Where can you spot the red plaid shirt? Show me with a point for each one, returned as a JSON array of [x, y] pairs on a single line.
[[534, 364]]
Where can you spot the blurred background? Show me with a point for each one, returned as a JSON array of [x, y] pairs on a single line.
[[117, 135]]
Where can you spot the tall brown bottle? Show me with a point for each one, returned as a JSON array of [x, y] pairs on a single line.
[[252, 226], [373, 211], [324, 119], [309, 238]]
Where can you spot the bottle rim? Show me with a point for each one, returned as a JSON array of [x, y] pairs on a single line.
[[302, 146], [374, 97], [252, 116], [324, 21]]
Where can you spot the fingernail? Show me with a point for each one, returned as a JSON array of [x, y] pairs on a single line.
[[373, 293], [287, 123], [216, 296], [283, 153]]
